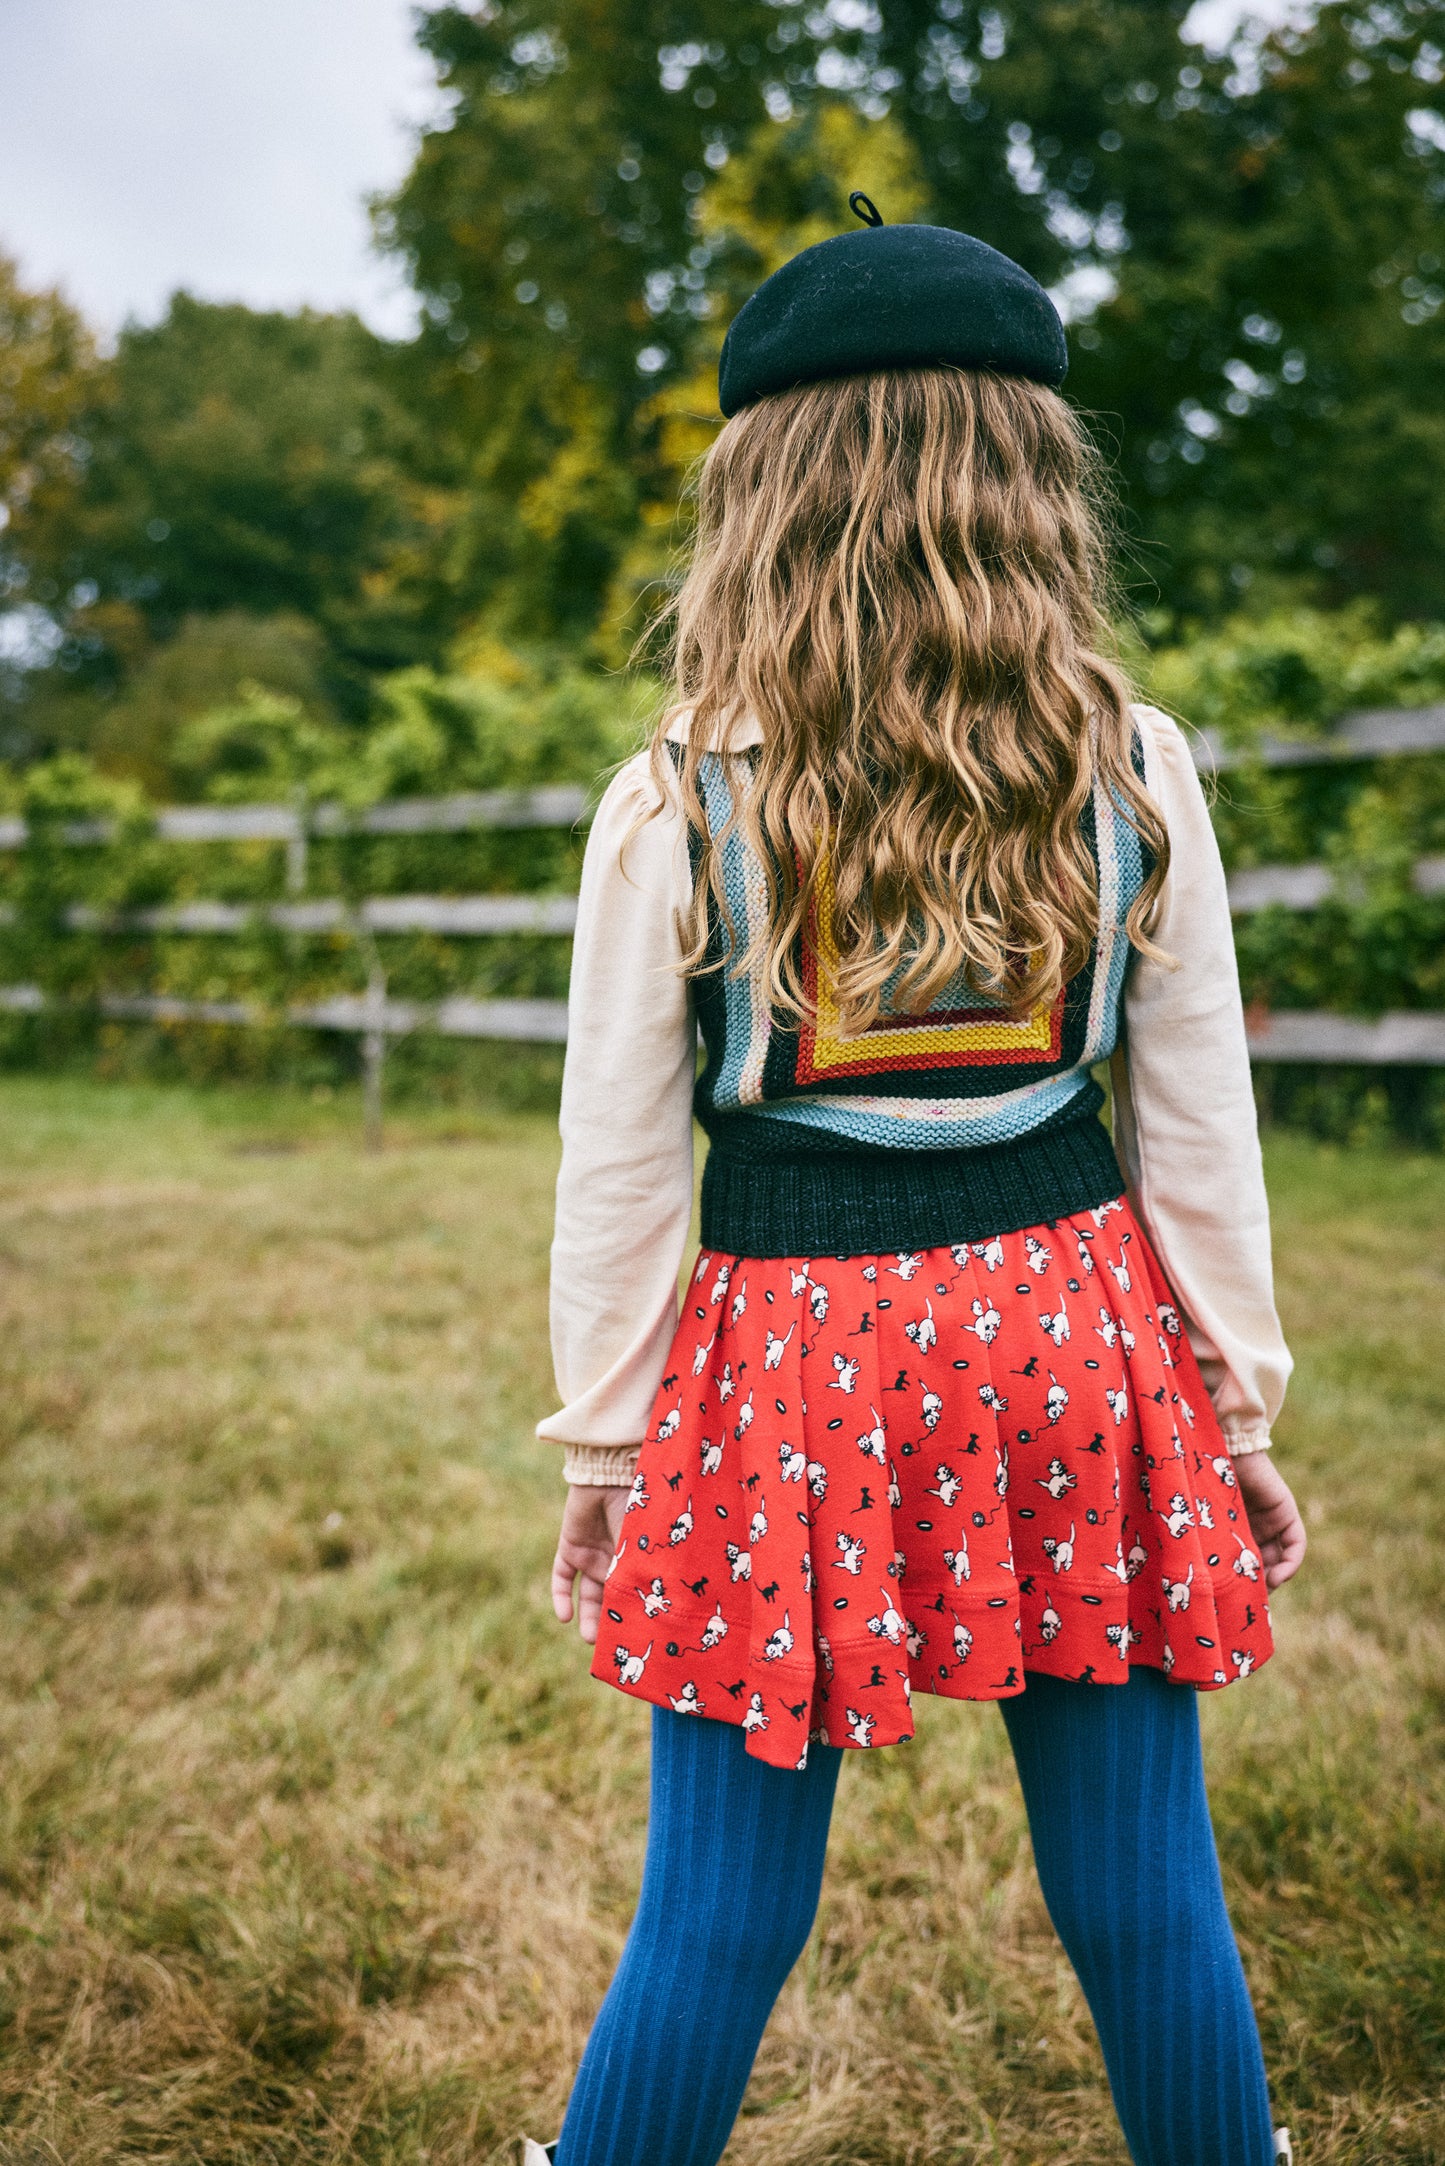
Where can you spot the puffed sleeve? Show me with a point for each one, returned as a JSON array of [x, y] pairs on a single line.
[[624, 1193], [1184, 1121]]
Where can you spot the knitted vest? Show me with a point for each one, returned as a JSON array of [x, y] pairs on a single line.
[[927, 1129]]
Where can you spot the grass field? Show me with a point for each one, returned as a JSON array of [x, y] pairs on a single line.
[[316, 1841]]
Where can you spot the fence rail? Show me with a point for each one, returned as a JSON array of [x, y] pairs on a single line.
[[1305, 887], [1374, 733], [536, 1022], [454, 915], [1405, 1039], [1258, 887], [559, 805]]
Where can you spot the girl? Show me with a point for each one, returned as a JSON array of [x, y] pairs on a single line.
[[960, 1400]]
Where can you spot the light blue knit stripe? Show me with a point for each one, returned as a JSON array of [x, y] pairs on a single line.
[[748, 1021], [903, 1123], [1121, 875]]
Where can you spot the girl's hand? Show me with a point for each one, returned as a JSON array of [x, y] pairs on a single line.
[[1274, 1518], [591, 1522]]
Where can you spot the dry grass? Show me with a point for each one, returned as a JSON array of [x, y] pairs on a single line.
[[316, 1843]]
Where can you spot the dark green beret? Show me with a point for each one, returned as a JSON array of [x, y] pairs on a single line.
[[890, 297]]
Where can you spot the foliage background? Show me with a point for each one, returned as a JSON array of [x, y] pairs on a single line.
[[1377, 945]]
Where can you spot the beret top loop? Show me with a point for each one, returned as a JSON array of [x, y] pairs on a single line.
[[890, 297]]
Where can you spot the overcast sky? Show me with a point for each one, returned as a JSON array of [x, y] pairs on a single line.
[[222, 145], [150, 144]]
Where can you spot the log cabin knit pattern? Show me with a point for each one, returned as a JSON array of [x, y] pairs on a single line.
[[949, 1125]]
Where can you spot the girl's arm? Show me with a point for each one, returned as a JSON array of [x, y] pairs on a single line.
[[624, 1193], [1184, 1117]]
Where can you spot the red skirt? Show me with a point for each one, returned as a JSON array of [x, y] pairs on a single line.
[[870, 1476]]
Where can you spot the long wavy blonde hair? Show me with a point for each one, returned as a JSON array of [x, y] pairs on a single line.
[[904, 578]]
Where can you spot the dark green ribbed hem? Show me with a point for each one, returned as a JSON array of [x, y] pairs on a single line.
[[876, 1203]]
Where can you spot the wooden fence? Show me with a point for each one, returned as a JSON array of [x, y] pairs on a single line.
[[1405, 1039]]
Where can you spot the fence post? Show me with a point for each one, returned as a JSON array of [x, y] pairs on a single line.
[[373, 1055], [296, 846]]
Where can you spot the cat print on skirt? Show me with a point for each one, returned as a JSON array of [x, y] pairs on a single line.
[[870, 1476]]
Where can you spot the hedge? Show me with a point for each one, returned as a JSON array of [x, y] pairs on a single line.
[[1375, 945]]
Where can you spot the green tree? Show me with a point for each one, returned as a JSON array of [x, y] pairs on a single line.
[[1249, 244], [552, 228], [787, 188], [47, 370], [246, 461], [260, 748], [207, 665], [47, 361], [1270, 220]]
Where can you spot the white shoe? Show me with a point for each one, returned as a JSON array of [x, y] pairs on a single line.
[[542, 2154], [1283, 2148]]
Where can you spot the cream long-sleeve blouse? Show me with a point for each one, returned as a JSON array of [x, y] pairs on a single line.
[[1184, 1123]]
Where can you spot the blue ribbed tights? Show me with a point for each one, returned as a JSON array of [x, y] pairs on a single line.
[[1114, 1784]]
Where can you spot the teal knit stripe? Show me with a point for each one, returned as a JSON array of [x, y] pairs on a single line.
[[944, 1124], [1121, 875], [748, 1018]]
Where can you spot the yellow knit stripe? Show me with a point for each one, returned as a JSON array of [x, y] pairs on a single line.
[[923, 1034]]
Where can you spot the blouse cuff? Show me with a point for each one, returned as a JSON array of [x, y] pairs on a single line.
[[600, 1466], [1244, 1434]]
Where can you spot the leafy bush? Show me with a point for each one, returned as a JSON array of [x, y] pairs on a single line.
[[433, 735], [1376, 944], [1294, 671]]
